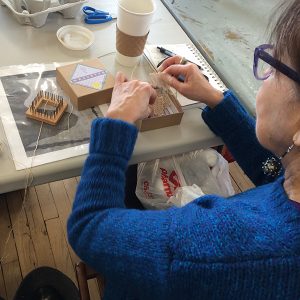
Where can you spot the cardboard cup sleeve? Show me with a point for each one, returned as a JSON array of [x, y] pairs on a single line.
[[129, 45]]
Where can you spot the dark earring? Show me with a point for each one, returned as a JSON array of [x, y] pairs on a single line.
[[272, 166]]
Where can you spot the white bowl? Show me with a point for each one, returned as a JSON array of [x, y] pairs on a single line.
[[75, 37]]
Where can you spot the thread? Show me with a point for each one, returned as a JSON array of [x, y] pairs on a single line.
[[71, 112], [25, 194], [29, 179], [132, 72]]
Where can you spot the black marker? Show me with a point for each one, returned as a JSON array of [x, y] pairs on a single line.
[[170, 54]]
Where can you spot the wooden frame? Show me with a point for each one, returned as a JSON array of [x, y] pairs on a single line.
[[85, 273], [39, 112]]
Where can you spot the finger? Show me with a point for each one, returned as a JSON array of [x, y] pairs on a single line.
[[148, 112], [153, 96], [151, 93], [120, 78], [176, 70], [169, 62], [172, 81], [151, 110]]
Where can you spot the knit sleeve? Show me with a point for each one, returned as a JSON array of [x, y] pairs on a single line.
[[119, 243], [236, 127]]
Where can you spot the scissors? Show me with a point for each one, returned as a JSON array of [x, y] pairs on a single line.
[[95, 16]]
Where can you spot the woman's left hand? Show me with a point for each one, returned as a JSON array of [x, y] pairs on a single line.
[[130, 99]]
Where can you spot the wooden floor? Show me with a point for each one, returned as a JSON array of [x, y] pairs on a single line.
[[37, 231]]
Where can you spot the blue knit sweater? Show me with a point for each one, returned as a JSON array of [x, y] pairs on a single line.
[[244, 247]]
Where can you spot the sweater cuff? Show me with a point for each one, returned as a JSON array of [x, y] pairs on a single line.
[[225, 118], [114, 137]]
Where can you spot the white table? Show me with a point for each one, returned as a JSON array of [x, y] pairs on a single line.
[[227, 32], [25, 45]]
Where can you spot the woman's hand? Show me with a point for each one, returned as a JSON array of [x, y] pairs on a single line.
[[195, 85], [130, 100]]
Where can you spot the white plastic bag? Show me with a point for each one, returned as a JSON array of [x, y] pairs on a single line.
[[185, 195], [177, 180]]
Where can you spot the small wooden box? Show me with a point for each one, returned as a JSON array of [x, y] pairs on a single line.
[[84, 97], [156, 122]]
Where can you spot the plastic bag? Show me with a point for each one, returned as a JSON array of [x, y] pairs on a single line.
[[177, 180], [185, 195]]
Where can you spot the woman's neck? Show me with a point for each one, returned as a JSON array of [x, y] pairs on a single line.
[[291, 164]]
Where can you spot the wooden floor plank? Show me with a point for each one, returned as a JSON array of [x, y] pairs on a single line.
[[22, 236], [61, 199], [70, 186], [39, 235], [12, 278], [63, 206], [60, 248], [8, 251], [46, 201], [2, 285]]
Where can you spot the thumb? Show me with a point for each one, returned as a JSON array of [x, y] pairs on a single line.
[[147, 113]]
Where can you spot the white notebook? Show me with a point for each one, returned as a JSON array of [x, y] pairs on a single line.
[[191, 53]]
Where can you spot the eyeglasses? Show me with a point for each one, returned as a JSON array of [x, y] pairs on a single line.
[[264, 63]]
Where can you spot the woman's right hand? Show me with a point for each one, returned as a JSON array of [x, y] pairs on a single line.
[[130, 100], [195, 85]]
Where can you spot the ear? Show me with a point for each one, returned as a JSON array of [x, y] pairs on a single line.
[[296, 138]]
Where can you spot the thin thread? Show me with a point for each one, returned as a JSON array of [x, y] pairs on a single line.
[[106, 54], [29, 173], [27, 184], [70, 115], [133, 70], [25, 194], [29, 181]]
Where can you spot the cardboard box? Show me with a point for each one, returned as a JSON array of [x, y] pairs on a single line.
[[84, 97], [162, 121], [159, 121]]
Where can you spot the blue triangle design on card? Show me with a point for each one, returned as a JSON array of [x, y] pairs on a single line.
[[89, 77]]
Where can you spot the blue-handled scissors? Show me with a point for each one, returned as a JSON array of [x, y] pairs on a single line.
[[95, 16]]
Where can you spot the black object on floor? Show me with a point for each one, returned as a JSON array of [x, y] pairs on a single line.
[[131, 200], [46, 283]]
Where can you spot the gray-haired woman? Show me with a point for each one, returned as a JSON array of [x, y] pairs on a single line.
[[245, 247]]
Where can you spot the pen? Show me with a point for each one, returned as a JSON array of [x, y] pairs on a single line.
[[170, 54]]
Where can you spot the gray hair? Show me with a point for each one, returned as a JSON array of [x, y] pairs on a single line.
[[285, 35]]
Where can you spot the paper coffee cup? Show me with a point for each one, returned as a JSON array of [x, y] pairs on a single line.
[[133, 24]]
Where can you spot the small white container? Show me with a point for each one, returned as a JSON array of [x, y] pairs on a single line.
[[75, 37]]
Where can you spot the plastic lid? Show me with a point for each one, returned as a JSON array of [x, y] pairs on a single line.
[[75, 37]]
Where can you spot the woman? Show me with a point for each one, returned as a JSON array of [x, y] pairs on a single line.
[[247, 247]]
